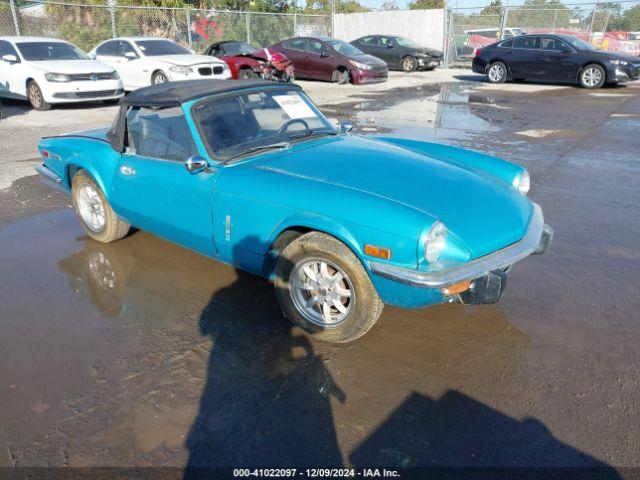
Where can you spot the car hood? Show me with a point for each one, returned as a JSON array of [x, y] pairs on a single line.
[[483, 211], [367, 59], [186, 60], [72, 66], [610, 55], [428, 51]]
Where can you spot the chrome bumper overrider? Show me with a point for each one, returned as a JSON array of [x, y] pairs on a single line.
[[47, 172], [536, 241]]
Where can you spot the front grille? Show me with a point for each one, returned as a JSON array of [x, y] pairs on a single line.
[[218, 70], [379, 68], [83, 77], [635, 71], [204, 71], [101, 93]]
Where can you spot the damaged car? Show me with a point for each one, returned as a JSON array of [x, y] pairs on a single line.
[[247, 62], [252, 174]]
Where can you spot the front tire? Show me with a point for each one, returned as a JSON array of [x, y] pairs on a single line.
[[36, 99], [159, 77], [592, 76], [247, 74], [497, 72], [97, 217], [323, 288], [341, 77], [409, 64]]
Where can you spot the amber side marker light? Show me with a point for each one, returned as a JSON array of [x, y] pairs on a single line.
[[457, 288], [379, 252]]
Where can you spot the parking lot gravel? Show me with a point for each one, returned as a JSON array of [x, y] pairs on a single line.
[[127, 354]]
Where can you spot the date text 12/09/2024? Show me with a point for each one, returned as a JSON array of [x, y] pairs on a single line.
[[316, 472]]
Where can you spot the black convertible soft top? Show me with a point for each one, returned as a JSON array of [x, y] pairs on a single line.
[[173, 94]]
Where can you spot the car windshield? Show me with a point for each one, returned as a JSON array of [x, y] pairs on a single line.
[[405, 42], [237, 48], [235, 125], [579, 44], [344, 48], [154, 48], [42, 51]]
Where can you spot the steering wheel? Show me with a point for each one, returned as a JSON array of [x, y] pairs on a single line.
[[293, 121]]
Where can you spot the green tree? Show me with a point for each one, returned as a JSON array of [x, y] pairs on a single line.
[[494, 8], [540, 14], [342, 6], [425, 4]]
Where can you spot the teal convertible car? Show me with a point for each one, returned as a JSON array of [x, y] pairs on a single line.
[[250, 173]]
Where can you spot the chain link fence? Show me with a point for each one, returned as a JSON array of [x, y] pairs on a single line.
[[87, 25], [610, 26]]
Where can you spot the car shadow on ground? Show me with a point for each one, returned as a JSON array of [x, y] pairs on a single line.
[[13, 107], [266, 399], [483, 79]]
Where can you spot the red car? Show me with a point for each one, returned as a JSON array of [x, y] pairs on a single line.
[[246, 62], [324, 58]]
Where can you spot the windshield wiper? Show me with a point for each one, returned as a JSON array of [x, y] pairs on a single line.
[[272, 146], [313, 133]]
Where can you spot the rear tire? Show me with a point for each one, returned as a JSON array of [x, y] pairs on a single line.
[[336, 302], [96, 216], [36, 99], [592, 76], [497, 72], [341, 77]]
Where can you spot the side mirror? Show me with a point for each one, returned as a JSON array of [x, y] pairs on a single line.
[[390, 45], [345, 126], [565, 49], [10, 58], [325, 54], [197, 164], [131, 55]]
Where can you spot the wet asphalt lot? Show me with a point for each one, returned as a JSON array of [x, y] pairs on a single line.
[[143, 353]]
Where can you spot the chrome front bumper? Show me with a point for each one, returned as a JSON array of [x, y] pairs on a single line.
[[536, 241]]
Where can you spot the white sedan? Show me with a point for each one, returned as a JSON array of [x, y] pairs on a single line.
[[47, 71], [145, 61]]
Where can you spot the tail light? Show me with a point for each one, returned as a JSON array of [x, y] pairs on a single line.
[[476, 52]]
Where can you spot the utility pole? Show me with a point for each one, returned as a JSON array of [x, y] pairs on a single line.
[[14, 14], [333, 18]]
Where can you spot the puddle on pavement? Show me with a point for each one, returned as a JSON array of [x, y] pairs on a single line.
[[440, 112]]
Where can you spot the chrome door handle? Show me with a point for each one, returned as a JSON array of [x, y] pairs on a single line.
[[128, 171]]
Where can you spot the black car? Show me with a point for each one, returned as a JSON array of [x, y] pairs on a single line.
[[560, 58], [400, 53]]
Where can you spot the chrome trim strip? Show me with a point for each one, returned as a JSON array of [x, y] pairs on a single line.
[[479, 267], [47, 172]]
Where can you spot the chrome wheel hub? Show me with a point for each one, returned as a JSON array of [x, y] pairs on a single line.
[[91, 208], [495, 73], [322, 292], [592, 77]]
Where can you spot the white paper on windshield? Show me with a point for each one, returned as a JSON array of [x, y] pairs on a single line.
[[294, 106]]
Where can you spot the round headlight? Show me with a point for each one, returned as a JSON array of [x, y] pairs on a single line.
[[436, 241], [522, 182]]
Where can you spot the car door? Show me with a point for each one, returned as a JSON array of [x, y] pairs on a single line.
[[152, 188], [12, 73], [294, 49], [558, 60], [318, 59], [388, 50], [525, 58], [133, 66]]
